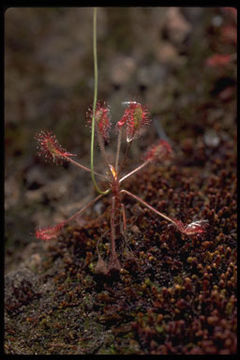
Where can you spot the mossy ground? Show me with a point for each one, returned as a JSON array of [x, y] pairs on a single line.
[[175, 294]]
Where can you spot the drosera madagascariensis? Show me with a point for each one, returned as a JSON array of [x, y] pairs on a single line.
[[134, 119]]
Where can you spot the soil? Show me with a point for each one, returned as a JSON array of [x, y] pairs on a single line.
[[174, 294]]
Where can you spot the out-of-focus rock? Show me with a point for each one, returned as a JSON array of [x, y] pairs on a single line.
[[151, 75], [176, 26], [12, 192], [167, 54], [121, 69]]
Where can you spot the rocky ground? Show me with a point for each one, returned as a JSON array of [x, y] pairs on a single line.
[[175, 294]]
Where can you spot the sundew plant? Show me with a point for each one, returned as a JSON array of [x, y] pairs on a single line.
[[129, 127]]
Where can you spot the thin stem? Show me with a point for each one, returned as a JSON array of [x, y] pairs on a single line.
[[79, 212], [114, 263], [148, 206], [134, 171], [94, 99], [118, 148], [113, 230], [102, 147], [84, 167]]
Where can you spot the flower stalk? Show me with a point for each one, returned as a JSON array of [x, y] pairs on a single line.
[[94, 100]]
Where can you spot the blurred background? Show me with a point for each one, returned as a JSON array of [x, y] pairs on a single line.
[[180, 62]]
